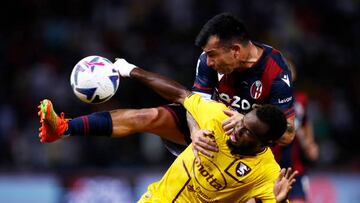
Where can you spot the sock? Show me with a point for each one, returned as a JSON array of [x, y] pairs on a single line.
[[95, 124]]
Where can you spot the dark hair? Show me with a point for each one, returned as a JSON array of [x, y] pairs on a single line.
[[225, 26], [275, 119]]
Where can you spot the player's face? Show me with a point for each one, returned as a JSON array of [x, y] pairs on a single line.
[[245, 138], [220, 57]]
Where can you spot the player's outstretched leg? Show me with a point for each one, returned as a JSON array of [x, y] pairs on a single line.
[[52, 126], [117, 123]]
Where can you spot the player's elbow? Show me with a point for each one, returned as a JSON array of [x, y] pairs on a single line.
[[287, 138], [289, 134], [180, 98]]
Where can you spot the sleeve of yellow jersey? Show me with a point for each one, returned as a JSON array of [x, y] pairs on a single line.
[[203, 109]]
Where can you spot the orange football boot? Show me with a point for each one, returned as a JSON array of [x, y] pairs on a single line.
[[52, 127]]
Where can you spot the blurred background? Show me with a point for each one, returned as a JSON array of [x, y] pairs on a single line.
[[41, 41]]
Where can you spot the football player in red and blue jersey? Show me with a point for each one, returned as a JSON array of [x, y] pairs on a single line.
[[241, 73], [237, 71]]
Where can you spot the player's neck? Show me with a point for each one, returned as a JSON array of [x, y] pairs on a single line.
[[255, 152], [254, 54]]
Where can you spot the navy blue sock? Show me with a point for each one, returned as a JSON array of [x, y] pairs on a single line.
[[95, 124]]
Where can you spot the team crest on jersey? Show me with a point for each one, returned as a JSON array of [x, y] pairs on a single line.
[[242, 169], [256, 89]]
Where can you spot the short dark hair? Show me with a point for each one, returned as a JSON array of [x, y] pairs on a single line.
[[225, 26], [275, 119]]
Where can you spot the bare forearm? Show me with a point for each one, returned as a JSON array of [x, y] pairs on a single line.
[[191, 123], [165, 87]]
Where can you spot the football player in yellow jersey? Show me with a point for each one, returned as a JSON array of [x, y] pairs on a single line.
[[244, 166]]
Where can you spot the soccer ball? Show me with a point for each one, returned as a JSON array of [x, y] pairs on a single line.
[[94, 79]]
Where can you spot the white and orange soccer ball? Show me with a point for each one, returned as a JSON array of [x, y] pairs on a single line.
[[94, 79]]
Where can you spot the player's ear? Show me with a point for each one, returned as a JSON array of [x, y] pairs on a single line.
[[236, 48]]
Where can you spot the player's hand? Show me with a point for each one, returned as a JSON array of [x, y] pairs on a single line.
[[283, 184], [229, 123], [203, 141], [123, 67]]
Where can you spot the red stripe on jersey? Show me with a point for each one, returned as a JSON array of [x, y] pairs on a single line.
[[272, 70], [290, 112], [290, 115], [85, 121], [202, 88], [227, 84]]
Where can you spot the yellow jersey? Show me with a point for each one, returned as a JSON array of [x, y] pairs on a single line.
[[224, 178]]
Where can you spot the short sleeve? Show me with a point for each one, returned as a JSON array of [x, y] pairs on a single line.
[[281, 94], [206, 77], [204, 110]]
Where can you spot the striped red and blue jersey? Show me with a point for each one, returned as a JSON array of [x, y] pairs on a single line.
[[267, 82]]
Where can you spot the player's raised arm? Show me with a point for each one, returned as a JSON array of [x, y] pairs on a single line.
[[165, 87]]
